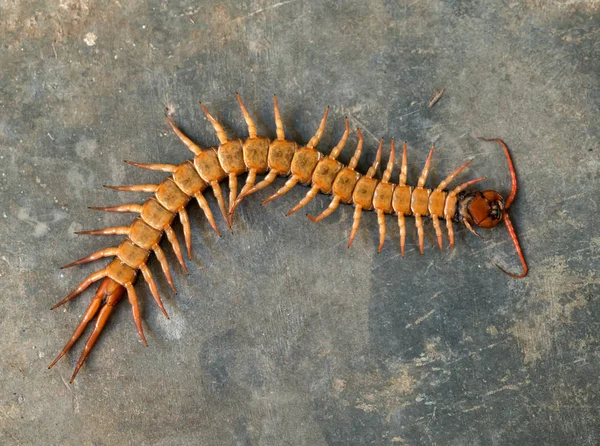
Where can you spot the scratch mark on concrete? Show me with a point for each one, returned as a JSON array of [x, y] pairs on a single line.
[[421, 319], [502, 389], [266, 8]]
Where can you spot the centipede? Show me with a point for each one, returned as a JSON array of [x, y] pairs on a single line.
[[302, 164]]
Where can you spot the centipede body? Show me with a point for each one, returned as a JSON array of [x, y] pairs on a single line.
[[258, 155]]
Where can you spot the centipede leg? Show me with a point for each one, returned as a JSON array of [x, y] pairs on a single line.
[[107, 252], [438, 230], [87, 317], [164, 265], [220, 201], [450, 229], [176, 248], [248, 185], [94, 277], [327, 212], [420, 232], [115, 230], [187, 231], [355, 224], [289, 184], [233, 185], [312, 193], [267, 181], [381, 223], [135, 208], [402, 226], [135, 309], [149, 188], [149, 278], [158, 167], [207, 212], [113, 299]]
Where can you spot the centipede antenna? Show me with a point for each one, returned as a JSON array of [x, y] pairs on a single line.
[[513, 236], [511, 169]]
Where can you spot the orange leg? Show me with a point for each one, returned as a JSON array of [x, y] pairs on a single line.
[[354, 161], [207, 212], [249, 122], [233, 185], [164, 265], [149, 278], [106, 252], [94, 277], [113, 298], [135, 188], [289, 184], [184, 139], [355, 223], [187, 231], [381, 222], [337, 149], [327, 212], [438, 230], [116, 230], [221, 201], [267, 181], [176, 248], [248, 185], [135, 309], [420, 232], [402, 226], [312, 193], [403, 167], [450, 229], [218, 127], [425, 171], [87, 317], [451, 177], [160, 167], [319, 134], [135, 208], [278, 122]]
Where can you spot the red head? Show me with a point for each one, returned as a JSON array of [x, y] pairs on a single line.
[[486, 209]]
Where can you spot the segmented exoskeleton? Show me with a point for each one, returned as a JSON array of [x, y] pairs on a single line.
[[258, 155]]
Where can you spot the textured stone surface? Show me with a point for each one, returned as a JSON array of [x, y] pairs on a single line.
[[280, 334]]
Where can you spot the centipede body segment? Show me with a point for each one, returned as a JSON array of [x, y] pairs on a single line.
[[254, 156]]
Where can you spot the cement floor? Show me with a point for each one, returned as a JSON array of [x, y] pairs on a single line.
[[280, 334]]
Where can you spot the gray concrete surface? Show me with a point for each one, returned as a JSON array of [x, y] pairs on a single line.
[[280, 334]]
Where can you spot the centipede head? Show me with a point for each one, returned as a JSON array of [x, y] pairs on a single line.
[[484, 209]]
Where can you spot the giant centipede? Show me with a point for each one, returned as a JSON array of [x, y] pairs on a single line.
[[258, 155]]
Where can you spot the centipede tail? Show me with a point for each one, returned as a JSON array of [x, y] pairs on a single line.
[[259, 156]]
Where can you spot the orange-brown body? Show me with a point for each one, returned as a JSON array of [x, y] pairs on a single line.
[[280, 157]]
